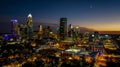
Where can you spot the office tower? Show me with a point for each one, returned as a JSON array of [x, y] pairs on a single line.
[[29, 20], [15, 28], [40, 31], [47, 31], [70, 30], [69, 27], [63, 28], [77, 31], [96, 33], [29, 27], [40, 28], [23, 31]]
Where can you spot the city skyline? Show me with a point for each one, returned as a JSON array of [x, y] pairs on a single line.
[[101, 15]]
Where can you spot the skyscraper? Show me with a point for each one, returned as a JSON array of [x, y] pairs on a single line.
[[23, 31], [46, 32], [70, 30], [29, 20], [96, 33], [63, 28], [40, 31], [29, 27], [40, 28], [15, 28]]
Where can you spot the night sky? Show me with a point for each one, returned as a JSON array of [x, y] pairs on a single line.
[[101, 15]]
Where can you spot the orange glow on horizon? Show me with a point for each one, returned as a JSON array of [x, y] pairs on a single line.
[[104, 27]]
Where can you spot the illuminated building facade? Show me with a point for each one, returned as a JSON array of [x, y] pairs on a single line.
[[63, 28], [23, 30], [40, 31], [96, 34], [15, 28], [76, 31], [29, 27], [40, 28], [46, 32], [70, 30]]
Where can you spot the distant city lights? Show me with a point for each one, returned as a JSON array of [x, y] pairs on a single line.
[[6, 37]]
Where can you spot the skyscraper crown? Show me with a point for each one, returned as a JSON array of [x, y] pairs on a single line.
[[30, 15]]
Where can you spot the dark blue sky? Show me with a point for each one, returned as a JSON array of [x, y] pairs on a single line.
[[96, 14]]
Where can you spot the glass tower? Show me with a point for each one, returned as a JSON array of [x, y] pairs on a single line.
[[29, 27]]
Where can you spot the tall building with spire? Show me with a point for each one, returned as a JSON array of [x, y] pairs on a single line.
[[29, 27]]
